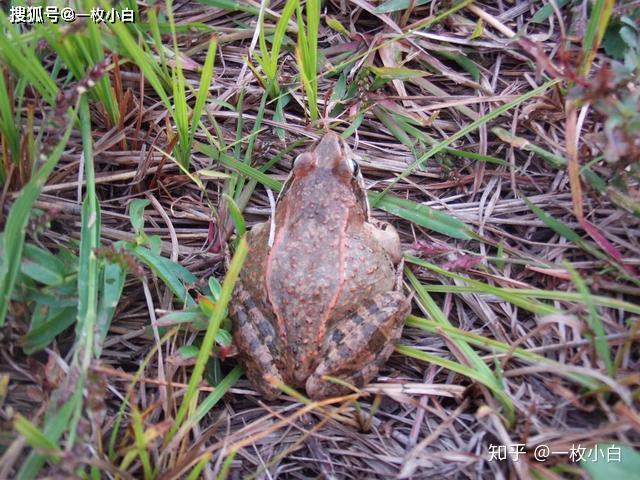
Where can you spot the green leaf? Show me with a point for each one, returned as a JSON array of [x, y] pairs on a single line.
[[546, 11], [211, 174], [336, 25], [387, 74], [599, 16], [8, 126], [236, 216], [307, 54], [231, 6], [113, 276], [215, 287], [136, 213], [174, 275], [214, 397], [34, 436], [155, 243], [598, 462], [465, 62], [55, 423], [206, 305], [240, 167], [278, 115], [395, 125], [42, 266], [224, 338], [188, 351], [190, 315], [424, 216], [613, 43], [57, 321], [395, 5]]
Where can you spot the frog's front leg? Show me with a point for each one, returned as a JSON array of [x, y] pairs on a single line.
[[257, 342], [359, 345]]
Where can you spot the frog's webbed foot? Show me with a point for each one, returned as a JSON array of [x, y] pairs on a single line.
[[255, 336], [359, 345]]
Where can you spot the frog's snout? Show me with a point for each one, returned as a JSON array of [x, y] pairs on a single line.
[[330, 150]]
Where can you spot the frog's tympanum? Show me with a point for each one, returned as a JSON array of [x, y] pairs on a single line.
[[322, 298]]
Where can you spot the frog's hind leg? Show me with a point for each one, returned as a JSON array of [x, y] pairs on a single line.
[[359, 345], [256, 339]]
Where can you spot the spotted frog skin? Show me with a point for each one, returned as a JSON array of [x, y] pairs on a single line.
[[322, 299]]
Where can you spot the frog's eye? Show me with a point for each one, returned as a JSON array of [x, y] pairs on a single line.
[[353, 166], [303, 163]]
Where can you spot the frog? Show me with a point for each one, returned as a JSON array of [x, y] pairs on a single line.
[[319, 296]]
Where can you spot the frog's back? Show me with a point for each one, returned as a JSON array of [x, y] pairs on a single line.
[[322, 266]]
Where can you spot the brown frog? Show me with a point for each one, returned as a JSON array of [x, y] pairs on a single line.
[[322, 299]]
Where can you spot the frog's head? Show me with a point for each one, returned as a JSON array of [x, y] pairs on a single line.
[[330, 165], [332, 155]]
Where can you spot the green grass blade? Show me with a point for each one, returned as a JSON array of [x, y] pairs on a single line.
[[203, 91], [180, 109], [561, 229], [8, 125], [269, 60], [307, 54], [55, 424], [209, 337], [236, 216], [214, 397], [140, 441], [423, 215], [594, 320], [88, 274], [598, 20], [468, 372], [240, 167], [278, 35], [195, 474], [34, 436]]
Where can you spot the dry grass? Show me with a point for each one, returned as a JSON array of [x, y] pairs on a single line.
[[420, 420]]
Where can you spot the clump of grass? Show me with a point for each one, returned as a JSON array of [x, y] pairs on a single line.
[[307, 53], [269, 59]]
